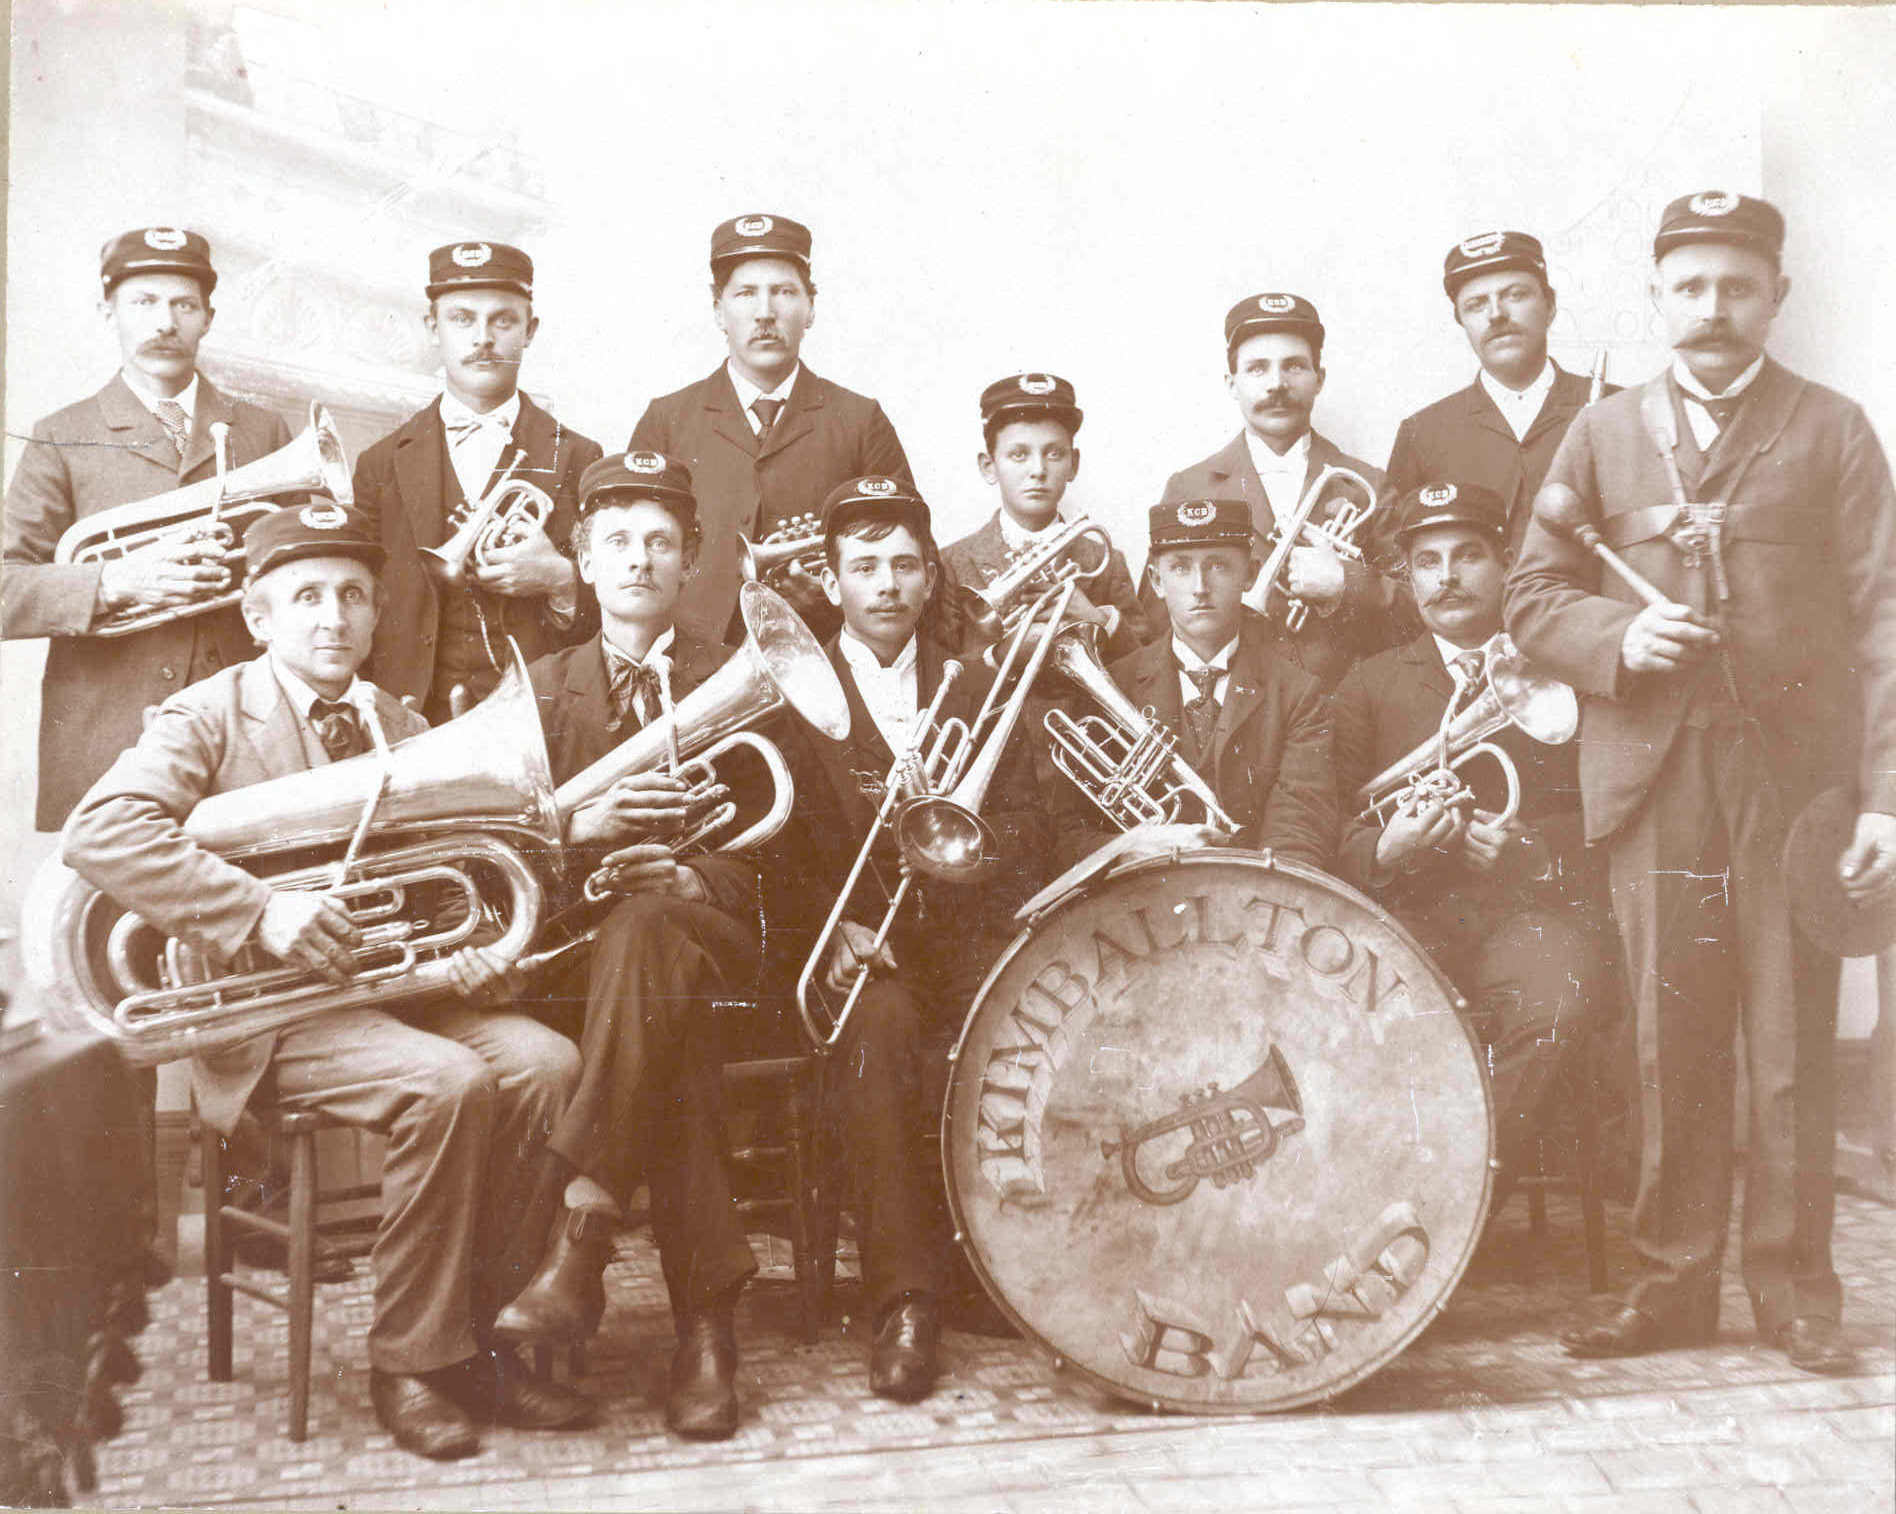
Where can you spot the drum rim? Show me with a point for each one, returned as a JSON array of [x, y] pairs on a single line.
[[1063, 1364]]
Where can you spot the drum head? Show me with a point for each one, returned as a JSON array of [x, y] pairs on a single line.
[[1216, 1137]]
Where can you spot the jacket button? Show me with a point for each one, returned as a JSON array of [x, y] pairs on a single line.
[[166, 674]]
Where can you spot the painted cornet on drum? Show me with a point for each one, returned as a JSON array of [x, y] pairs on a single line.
[[1339, 532]]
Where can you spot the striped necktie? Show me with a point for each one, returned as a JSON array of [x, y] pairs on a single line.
[[176, 423]]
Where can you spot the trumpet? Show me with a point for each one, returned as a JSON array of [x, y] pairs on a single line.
[[509, 512], [1513, 693], [798, 539], [214, 510], [1032, 572], [1338, 532]]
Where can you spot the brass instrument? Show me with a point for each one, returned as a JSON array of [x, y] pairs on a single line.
[[798, 539], [1596, 381], [440, 838], [213, 509], [1029, 574], [1338, 532], [1513, 693], [509, 512]]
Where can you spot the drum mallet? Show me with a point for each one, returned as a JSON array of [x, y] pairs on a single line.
[[1558, 511]]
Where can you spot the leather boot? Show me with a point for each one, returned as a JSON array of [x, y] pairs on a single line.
[[701, 1391], [567, 1297]]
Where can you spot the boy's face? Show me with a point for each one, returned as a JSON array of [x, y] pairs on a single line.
[[1203, 589], [1032, 463], [881, 587], [635, 557]]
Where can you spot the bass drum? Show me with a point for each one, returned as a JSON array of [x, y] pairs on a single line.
[[1215, 1135]]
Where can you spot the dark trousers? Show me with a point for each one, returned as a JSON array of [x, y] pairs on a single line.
[[648, 1103], [1710, 946]]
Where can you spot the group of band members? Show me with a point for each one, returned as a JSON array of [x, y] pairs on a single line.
[[522, 1115]]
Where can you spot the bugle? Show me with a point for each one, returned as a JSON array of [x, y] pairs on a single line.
[[1338, 532]]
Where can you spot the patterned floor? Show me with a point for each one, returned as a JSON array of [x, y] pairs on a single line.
[[190, 1441]]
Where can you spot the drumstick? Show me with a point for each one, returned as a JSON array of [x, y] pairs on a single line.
[[1559, 511]]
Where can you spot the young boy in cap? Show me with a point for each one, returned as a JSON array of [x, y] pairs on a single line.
[[1502, 430], [1761, 504], [1274, 371], [679, 935], [880, 573], [1505, 908], [765, 438], [1028, 425], [461, 1088], [423, 481], [1250, 723]]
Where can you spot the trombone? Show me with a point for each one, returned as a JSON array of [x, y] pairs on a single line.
[[1338, 532]]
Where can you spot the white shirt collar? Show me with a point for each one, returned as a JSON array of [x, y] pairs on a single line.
[[661, 646], [1296, 460], [1220, 659], [1520, 407], [1450, 652], [892, 694], [501, 417], [186, 399], [862, 658], [301, 696], [748, 393], [1689, 382], [1018, 536]]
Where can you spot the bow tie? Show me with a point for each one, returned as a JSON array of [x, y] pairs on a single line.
[[339, 726], [633, 688], [1722, 408], [461, 427]]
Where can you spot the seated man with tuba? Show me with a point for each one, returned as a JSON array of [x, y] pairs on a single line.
[[914, 961], [1505, 904], [679, 934], [461, 1088]]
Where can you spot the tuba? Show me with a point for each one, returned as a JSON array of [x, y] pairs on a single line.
[[313, 461], [430, 845], [1513, 693], [1030, 574], [1339, 532], [509, 512]]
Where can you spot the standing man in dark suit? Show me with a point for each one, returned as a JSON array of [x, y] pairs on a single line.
[[145, 433], [421, 482], [765, 438], [1505, 907], [881, 569], [1274, 370], [1761, 504], [1501, 431], [680, 935]]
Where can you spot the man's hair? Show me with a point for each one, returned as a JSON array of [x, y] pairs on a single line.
[[874, 525], [994, 425], [942, 616], [687, 525], [722, 270], [1314, 343]]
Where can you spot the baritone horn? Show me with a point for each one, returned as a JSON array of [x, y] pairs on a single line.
[[1338, 532], [509, 512], [213, 509], [430, 845], [1513, 693]]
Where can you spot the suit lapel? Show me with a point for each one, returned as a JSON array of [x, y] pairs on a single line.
[[1423, 656], [1153, 677], [144, 434], [862, 751], [421, 458], [1244, 692], [1484, 413], [536, 447], [1758, 422], [727, 415], [270, 725], [807, 397], [1564, 401]]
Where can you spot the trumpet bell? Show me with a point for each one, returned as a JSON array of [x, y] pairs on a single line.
[[944, 839], [1544, 708]]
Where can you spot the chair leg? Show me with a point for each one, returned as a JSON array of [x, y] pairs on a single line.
[[1592, 1199], [302, 1275], [803, 1209], [217, 1292]]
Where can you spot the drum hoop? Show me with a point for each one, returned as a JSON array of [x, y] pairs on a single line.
[[1270, 863]]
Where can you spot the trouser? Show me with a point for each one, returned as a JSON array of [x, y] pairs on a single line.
[[1710, 945], [648, 1103], [466, 1099]]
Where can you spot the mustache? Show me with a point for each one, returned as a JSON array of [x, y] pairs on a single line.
[[158, 344], [1450, 597], [1502, 328], [1715, 334]]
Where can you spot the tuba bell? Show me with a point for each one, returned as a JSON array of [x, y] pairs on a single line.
[[314, 460]]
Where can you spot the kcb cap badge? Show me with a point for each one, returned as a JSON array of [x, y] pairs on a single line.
[[754, 226], [1480, 246], [645, 462], [876, 488], [1200, 513], [1037, 383], [1437, 495], [165, 238], [324, 517], [1714, 202], [1276, 304]]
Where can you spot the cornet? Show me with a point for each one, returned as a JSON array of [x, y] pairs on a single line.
[[1031, 572], [798, 539], [509, 512], [213, 509], [1338, 532]]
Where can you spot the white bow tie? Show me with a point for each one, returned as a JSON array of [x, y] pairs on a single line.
[[461, 427]]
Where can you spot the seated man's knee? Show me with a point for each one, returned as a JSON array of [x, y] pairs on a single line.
[[448, 1077]]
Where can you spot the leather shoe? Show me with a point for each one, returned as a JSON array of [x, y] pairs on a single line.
[[495, 1389], [1625, 1332], [701, 1391], [902, 1362], [1816, 1345], [567, 1297], [421, 1417]]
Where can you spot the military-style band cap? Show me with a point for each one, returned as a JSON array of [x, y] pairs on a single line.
[[1719, 215], [1489, 252], [156, 249], [1032, 394], [760, 236], [1443, 504], [321, 528], [1272, 312], [873, 495], [648, 475], [479, 265], [1200, 523]]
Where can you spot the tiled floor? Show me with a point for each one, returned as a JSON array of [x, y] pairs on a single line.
[[1483, 1411]]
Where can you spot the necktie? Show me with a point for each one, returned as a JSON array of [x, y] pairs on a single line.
[[633, 690], [1465, 669], [766, 411], [176, 423], [1201, 712], [1721, 410], [340, 728]]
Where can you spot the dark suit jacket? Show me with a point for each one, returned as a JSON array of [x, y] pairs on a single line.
[[127, 837], [574, 693], [978, 558], [825, 436], [104, 451], [1270, 761], [1373, 609], [405, 484], [1463, 438], [1810, 552]]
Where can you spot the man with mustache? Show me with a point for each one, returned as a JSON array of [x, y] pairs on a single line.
[[1502, 430], [445, 644], [1274, 371], [1761, 505], [1504, 906], [765, 438]]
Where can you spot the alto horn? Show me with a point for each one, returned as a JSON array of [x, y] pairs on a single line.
[[509, 512], [1339, 532], [1032, 571], [314, 460]]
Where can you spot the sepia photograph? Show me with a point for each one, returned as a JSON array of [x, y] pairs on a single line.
[[619, 897]]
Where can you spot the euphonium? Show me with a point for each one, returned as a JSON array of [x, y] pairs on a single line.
[[1031, 573], [1513, 693], [454, 820], [314, 460], [507, 513], [1338, 532], [798, 539]]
